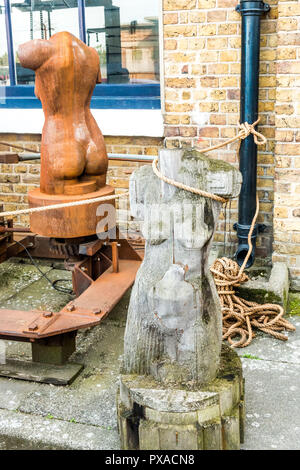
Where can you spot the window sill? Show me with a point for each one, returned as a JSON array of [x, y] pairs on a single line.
[[124, 110], [114, 122]]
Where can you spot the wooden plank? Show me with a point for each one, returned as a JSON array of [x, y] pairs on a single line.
[[38, 372]]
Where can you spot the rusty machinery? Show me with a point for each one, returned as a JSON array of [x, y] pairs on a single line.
[[73, 168]]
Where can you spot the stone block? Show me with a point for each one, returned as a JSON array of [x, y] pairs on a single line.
[[231, 430], [149, 436], [272, 290], [178, 438], [212, 435]]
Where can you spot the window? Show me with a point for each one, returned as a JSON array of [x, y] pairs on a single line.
[[4, 70], [125, 34], [40, 19]]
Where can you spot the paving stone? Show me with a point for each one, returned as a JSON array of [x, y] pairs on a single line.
[[272, 405], [21, 431], [266, 347]]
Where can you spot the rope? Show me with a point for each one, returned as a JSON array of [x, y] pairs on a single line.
[[239, 316], [245, 130], [184, 186], [62, 205]]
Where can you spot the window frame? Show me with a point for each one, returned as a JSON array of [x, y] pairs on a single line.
[[106, 96]]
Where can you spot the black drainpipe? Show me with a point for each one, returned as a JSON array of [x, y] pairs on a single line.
[[251, 12]]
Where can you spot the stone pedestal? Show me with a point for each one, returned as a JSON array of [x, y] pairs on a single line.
[[152, 416], [173, 334]]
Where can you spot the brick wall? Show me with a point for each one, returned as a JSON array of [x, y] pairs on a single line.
[[287, 140], [202, 76]]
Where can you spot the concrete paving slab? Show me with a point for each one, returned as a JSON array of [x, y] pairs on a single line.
[[12, 392], [16, 276], [39, 294], [272, 405], [21, 431], [95, 405], [269, 348]]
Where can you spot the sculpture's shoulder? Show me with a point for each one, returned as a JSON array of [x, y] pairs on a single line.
[[62, 36], [69, 41]]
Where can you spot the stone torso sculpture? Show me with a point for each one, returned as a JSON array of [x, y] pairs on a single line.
[[73, 154], [179, 387], [174, 327]]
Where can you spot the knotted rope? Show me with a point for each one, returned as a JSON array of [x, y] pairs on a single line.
[[245, 130], [239, 316]]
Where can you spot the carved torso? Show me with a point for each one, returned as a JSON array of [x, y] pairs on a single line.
[[73, 154]]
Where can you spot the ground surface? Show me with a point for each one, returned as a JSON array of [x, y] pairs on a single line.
[[83, 415]]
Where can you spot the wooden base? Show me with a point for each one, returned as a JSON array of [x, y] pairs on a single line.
[[69, 222], [38, 372]]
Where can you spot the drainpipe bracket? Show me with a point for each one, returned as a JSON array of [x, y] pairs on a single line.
[[254, 7], [243, 230]]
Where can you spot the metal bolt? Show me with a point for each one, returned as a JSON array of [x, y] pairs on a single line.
[[96, 311], [47, 314], [71, 307]]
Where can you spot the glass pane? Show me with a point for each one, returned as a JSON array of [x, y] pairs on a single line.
[[40, 19], [125, 34], [4, 72]]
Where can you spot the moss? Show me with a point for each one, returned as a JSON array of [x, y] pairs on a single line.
[[261, 296], [293, 307], [250, 356], [213, 164]]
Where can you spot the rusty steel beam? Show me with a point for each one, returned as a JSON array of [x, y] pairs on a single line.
[[4, 229]]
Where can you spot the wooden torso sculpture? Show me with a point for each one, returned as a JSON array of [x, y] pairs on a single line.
[[73, 154]]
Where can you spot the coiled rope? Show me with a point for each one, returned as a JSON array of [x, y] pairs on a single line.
[[239, 316]]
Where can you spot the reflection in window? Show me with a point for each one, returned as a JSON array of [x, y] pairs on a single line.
[[4, 72], [125, 34], [40, 19]]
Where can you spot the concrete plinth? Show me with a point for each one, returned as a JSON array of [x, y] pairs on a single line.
[[152, 416]]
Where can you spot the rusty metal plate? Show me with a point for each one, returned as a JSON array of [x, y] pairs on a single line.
[[104, 293], [86, 311]]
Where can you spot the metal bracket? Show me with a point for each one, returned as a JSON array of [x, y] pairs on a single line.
[[260, 227], [256, 7]]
